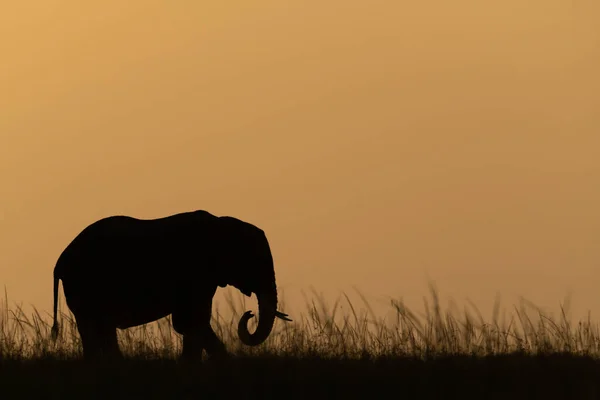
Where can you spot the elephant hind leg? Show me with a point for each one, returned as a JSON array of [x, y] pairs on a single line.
[[98, 340]]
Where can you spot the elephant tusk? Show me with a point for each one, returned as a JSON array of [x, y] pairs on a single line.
[[282, 316], [248, 315]]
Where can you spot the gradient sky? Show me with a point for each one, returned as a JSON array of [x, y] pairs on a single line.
[[379, 144]]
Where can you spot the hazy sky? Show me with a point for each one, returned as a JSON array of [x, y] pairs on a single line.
[[378, 143]]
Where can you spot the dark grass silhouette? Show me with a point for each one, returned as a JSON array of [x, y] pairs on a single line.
[[321, 355]]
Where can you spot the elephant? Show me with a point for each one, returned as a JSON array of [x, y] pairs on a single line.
[[122, 271]]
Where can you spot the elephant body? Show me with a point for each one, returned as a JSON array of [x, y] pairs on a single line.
[[122, 271]]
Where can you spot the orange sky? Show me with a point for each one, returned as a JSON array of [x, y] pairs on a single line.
[[377, 143]]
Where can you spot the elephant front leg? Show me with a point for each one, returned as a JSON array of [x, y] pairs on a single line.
[[193, 324], [215, 349]]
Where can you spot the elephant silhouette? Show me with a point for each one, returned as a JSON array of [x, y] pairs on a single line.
[[122, 271]]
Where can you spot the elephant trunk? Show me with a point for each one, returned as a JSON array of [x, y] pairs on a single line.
[[267, 311]]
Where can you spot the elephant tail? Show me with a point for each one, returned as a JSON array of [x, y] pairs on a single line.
[[55, 326]]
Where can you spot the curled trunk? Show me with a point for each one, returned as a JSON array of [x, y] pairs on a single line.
[[267, 310]]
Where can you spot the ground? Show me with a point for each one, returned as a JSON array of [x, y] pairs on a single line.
[[512, 376]]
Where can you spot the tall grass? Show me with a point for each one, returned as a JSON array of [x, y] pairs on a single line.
[[321, 331]]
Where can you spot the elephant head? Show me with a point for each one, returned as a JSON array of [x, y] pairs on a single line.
[[248, 266]]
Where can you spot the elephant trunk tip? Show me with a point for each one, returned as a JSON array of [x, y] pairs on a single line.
[[256, 338], [243, 331]]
